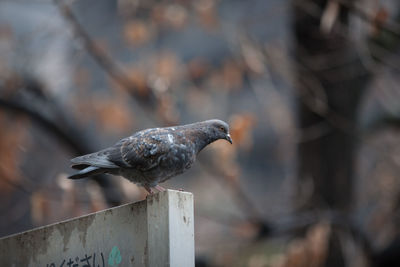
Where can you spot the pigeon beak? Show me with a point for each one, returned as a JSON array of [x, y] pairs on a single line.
[[228, 138]]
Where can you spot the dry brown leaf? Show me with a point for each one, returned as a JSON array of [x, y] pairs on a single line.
[[139, 81], [67, 187], [167, 111], [96, 197], [12, 138], [232, 75], [113, 114], [157, 14], [137, 32], [317, 239], [380, 18], [6, 32], [175, 15], [309, 251], [168, 66], [247, 230], [198, 100], [206, 11], [40, 207], [329, 16], [253, 58], [225, 157], [296, 255], [241, 128], [197, 69]]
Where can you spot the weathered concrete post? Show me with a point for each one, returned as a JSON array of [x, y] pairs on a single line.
[[158, 231]]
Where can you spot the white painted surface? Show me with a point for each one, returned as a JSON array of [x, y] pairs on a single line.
[[171, 229], [155, 232]]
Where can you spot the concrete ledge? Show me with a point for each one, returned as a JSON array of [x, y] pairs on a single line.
[[158, 231]]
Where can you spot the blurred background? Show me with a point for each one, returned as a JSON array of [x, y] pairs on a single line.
[[310, 89]]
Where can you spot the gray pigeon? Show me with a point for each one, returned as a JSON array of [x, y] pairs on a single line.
[[154, 155]]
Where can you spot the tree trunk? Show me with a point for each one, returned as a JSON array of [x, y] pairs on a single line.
[[331, 82]]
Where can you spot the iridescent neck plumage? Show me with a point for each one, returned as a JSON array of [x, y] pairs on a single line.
[[202, 136]]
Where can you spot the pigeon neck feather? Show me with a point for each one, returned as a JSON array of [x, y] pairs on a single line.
[[202, 136]]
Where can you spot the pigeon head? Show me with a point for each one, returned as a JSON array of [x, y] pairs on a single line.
[[218, 129]]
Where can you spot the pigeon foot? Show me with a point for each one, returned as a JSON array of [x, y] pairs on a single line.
[[160, 188], [152, 190]]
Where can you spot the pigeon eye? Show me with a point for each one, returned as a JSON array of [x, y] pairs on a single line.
[[222, 129]]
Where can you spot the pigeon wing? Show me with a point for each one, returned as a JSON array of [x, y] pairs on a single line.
[[141, 151]]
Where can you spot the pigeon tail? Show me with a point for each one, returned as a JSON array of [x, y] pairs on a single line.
[[91, 170], [98, 159]]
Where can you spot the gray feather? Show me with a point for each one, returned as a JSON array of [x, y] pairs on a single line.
[[154, 155], [98, 159], [86, 172]]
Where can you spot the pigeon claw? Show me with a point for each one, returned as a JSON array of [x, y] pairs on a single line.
[[160, 188], [149, 189], [153, 189]]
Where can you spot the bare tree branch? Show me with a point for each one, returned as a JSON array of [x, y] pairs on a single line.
[[148, 101], [68, 134], [390, 26]]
